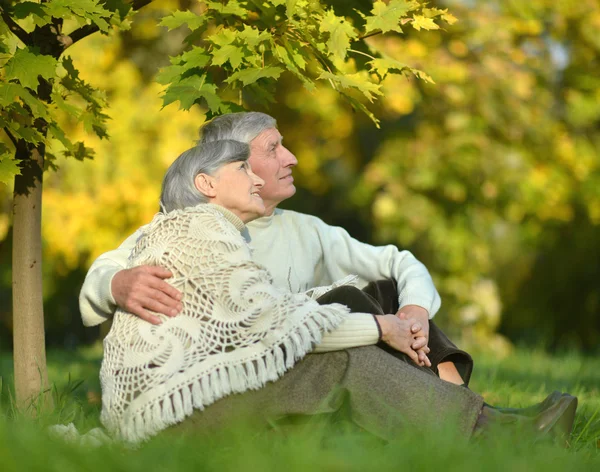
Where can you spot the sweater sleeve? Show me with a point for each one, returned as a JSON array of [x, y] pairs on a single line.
[[357, 329], [343, 255], [96, 302]]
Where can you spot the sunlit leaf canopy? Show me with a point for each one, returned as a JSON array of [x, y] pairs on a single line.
[[239, 50], [487, 169]]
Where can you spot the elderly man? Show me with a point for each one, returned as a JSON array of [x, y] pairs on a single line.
[[300, 251], [380, 388]]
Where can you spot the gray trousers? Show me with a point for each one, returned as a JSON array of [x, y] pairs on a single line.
[[379, 392]]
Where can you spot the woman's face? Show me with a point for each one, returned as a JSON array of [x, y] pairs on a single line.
[[236, 188]]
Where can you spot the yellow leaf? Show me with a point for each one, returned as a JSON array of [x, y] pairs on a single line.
[[420, 21]]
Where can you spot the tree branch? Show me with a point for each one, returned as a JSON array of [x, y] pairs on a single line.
[[362, 53], [79, 33], [15, 28], [137, 4], [9, 134], [372, 33], [84, 31]]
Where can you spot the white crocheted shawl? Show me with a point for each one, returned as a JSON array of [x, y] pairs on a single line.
[[236, 331]]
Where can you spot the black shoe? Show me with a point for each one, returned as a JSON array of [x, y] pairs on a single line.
[[562, 429], [556, 421], [533, 410]]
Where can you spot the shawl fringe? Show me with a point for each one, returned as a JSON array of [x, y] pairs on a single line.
[[222, 381]]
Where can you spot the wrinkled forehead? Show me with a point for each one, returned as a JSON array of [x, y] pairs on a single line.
[[267, 136]]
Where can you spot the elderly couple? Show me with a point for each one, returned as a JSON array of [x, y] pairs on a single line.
[[226, 307]]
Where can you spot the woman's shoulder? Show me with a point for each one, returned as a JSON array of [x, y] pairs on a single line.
[[202, 222], [203, 211]]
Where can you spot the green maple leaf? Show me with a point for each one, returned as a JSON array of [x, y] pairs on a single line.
[[361, 108], [60, 135], [340, 33], [10, 92], [290, 54], [230, 53], [190, 89], [26, 66], [356, 81], [79, 151], [422, 75], [29, 134], [67, 63], [252, 36], [196, 57], [209, 93], [122, 7], [37, 11], [298, 59], [284, 55], [62, 104], [8, 166], [93, 122], [386, 17], [170, 74], [178, 18], [71, 82], [251, 75], [84, 9], [381, 66], [223, 37], [232, 7], [448, 17], [443, 14], [420, 22]]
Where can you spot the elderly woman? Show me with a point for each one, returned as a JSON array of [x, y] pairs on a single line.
[[240, 343]]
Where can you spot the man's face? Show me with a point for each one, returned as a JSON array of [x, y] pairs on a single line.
[[273, 163]]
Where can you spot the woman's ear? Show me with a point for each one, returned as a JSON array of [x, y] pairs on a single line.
[[206, 185]]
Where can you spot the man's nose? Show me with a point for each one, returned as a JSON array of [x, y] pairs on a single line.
[[287, 158]]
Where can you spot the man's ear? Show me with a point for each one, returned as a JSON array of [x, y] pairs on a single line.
[[206, 185]]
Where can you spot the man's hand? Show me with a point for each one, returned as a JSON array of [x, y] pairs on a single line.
[[419, 329], [398, 334], [143, 288]]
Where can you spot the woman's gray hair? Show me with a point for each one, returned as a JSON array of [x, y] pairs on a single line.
[[178, 188], [243, 127]]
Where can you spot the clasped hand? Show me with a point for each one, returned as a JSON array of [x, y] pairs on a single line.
[[408, 332]]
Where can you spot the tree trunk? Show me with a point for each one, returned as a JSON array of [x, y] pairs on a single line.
[[31, 376]]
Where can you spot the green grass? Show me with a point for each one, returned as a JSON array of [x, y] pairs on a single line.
[[523, 378]]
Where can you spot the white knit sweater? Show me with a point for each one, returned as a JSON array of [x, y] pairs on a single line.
[[236, 331], [301, 252]]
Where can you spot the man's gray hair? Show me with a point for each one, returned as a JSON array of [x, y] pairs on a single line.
[[243, 127], [178, 188]]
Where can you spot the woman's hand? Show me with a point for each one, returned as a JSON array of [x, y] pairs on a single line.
[[399, 334]]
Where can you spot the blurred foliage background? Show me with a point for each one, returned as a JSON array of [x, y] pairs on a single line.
[[491, 176]]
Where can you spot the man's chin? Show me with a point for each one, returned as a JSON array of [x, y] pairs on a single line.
[[291, 191], [280, 196]]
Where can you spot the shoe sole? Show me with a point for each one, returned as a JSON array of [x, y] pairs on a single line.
[[561, 430]]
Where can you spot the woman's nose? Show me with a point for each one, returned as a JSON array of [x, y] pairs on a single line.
[[258, 182]]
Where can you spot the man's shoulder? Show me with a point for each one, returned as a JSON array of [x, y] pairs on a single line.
[[296, 216]]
